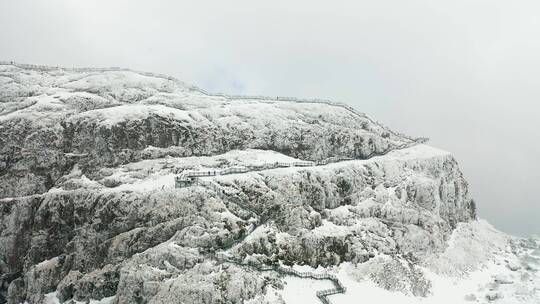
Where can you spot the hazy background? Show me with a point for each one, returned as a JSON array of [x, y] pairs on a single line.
[[465, 73]]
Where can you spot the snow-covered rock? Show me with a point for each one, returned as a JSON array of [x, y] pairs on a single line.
[[89, 210], [110, 117]]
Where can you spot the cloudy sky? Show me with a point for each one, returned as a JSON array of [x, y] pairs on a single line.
[[465, 73]]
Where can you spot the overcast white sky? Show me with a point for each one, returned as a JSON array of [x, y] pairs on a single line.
[[465, 73]]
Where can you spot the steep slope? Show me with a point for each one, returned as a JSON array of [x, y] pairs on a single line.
[[55, 118], [89, 208]]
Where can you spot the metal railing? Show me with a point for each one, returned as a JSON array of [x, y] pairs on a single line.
[[188, 178], [321, 294]]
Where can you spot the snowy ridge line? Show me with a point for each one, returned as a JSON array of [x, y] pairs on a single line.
[[310, 100], [222, 95], [321, 294], [188, 178], [45, 68]]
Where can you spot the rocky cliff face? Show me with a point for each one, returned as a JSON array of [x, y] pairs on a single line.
[[53, 119], [89, 210]]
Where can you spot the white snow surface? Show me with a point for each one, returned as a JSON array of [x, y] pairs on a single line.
[[51, 298], [473, 269]]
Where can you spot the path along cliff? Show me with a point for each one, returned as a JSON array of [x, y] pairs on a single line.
[[89, 207]]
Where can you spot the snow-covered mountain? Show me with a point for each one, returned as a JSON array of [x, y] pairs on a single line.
[[282, 198]]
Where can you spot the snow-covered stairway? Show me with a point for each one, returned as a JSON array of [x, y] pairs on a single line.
[[321, 294]]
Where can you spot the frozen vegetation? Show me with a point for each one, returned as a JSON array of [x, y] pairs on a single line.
[[89, 211]]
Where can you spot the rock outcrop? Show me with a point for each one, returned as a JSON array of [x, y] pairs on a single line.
[[88, 207]]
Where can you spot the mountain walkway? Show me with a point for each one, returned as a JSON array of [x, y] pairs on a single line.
[[190, 178], [321, 294]]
